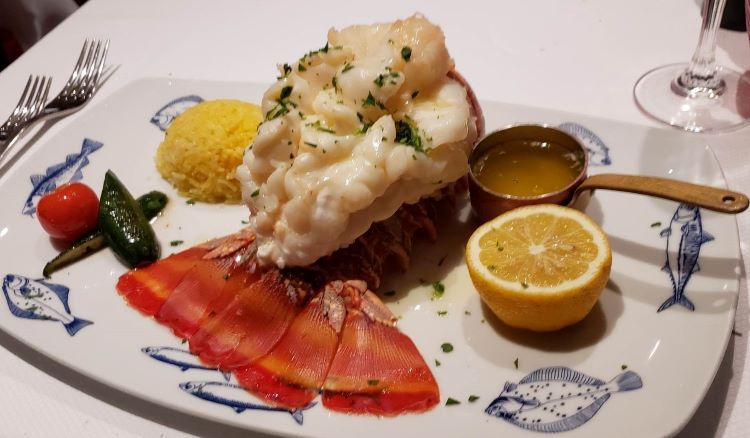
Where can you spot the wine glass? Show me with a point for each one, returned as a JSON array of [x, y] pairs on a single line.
[[700, 96]]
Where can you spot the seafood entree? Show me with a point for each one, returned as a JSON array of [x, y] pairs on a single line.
[[362, 143]]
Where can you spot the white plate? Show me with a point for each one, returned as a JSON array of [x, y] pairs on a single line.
[[675, 353]]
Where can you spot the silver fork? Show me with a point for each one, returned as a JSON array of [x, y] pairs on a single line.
[[29, 106], [78, 90]]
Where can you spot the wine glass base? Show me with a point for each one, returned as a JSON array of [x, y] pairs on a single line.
[[701, 110]]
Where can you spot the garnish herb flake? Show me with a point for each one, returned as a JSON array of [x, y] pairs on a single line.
[[408, 134], [373, 382], [447, 347], [473, 398], [442, 312], [176, 242], [656, 224], [438, 290], [515, 363], [255, 193], [452, 401], [406, 53]]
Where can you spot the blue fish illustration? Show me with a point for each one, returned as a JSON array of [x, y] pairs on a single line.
[[598, 150], [182, 359], [557, 399], [685, 236], [39, 299], [235, 397], [163, 118], [59, 174]]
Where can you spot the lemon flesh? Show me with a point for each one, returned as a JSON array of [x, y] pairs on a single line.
[[540, 267]]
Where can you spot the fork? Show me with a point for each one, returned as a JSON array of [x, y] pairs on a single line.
[[78, 90], [29, 106]]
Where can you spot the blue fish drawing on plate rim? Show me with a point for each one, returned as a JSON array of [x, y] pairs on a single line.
[[685, 237], [40, 300], [599, 154], [166, 114], [235, 397], [56, 175], [181, 358], [557, 399]]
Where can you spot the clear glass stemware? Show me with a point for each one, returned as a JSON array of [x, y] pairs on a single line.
[[699, 96]]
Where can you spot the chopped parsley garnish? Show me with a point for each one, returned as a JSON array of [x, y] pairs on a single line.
[[414, 94], [466, 312], [623, 366], [438, 289], [524, 285], [491, 267], [255, 193], [176, 242], [437, 363], [373, 382], [447, 347], [285, 92], [282, 104], [371, 101], [183, 340], [406, 53], [189, 202], [348, 66], [408, 134], [473, 398], [452, 401], [656, 224], [335, 82], [301, 67], [319, 127], [363, 130], [442, 312], [287, 69], [515, 362], [325, 48], [244, 222], [380, 80], [226, 276], [312, 145]]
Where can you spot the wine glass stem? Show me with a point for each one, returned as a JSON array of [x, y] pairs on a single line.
[[701, 74]]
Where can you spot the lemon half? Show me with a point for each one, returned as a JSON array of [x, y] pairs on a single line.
[[540, 267]]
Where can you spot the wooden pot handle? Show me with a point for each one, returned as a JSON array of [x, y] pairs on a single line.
[[721, 200]]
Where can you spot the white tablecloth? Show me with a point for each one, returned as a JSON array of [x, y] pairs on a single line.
[[581, 56]]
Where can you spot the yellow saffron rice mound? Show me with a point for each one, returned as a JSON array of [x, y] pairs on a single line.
[[204, 145]]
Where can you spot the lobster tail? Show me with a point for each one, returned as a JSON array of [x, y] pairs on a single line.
[[288, 335]]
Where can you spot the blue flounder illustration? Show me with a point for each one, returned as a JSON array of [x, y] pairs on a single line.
[[59, 174], [39, 299], [182, 359], [235, 397], [685, 236], [163, 118], [557, 399], [598, 150]]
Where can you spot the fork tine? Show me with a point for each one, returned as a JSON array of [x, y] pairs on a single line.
[[41, 97], [19, 105], [31, 97], [90, 58], [99, 67], [80, 62]]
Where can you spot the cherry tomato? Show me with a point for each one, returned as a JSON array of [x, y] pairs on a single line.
[[69, 211]]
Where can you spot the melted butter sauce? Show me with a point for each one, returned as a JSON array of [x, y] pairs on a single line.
[[527, 168]]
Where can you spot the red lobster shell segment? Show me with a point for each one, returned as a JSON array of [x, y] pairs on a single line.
[[148, 288], [288, 335]]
